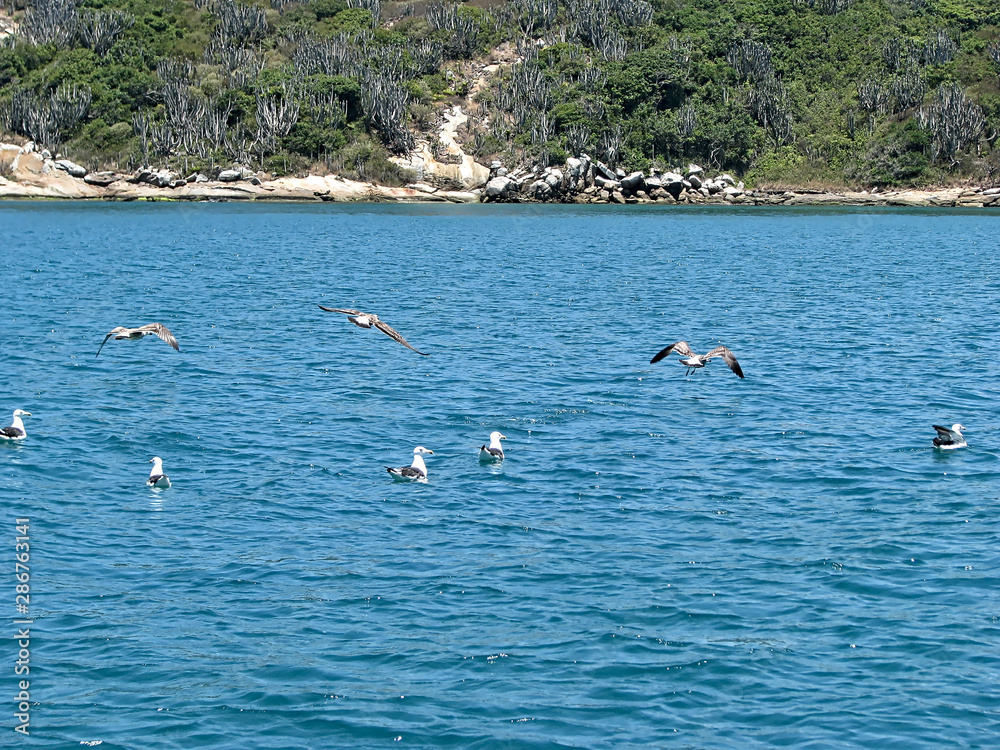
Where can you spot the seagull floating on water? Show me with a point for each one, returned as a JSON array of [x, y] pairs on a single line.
[[416, 470], [495, 451], [367, 320], [694, 361], [156, 476], [949, 439], [16, 429], [134, 334]]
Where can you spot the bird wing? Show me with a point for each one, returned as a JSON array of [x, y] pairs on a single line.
[[681, 347], [944, 432], [11, 432], [341, 310], [162, 332], [406, 471], [102, 344], [393, 333], [727, 356]]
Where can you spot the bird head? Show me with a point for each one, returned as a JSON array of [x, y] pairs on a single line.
[[156, 460], [497, 436], [422, 449], [957, 427], [21, 413]]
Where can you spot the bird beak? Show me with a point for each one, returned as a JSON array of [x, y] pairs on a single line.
[[503, 437], [27, 413], [431, 452]]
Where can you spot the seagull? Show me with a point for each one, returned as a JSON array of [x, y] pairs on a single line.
[[495, 451], [947, 439], [16, 429], [696, 361], [156, 476], [367, 320], [416, 470], [133, 334]]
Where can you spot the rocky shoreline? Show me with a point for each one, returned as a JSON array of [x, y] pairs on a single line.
[[584, 180], [28, 173]]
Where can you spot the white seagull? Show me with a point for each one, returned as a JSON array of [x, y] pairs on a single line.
[[949, 439], [156, 476], [495, 451], [416, 470], [16, 429], [694, 361], [134, 334], [367, 320]]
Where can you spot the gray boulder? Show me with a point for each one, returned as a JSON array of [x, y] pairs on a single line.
[[498, 187], [540, 190], [74, 170], [606, 184], [554, 179], [573, 168], [163, 178], [230, 175], [673, 183], [694, 169], [695, 181], [634, 182], [101, 179], [603, 171]]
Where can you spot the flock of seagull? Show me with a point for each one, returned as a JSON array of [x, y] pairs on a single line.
[[948, 438]]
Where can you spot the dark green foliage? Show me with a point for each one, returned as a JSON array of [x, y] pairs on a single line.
[[776, 90], [898, 157]]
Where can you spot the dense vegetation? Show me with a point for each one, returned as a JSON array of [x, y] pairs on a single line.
[[799, 92]]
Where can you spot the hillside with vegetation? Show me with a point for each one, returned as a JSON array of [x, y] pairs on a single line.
[[780, 92]]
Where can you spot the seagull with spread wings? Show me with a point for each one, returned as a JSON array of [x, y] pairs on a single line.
[[694, 361], [949, 439], [134, 334], [369, 320]]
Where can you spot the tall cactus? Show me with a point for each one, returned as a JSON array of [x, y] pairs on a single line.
[[953, 121], [99, 30]]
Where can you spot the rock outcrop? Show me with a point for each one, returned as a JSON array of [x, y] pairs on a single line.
[[26, 172]]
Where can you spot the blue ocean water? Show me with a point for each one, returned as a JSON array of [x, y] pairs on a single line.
[[660, 561]]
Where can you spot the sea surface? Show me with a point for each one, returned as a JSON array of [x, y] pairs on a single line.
[[660, 561]]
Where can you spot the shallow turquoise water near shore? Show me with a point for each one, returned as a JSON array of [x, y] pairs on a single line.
[[661, 561]]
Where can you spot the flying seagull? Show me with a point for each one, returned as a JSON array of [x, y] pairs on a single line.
[[16, 429], [134, 334], [495, 451], [367, 320], [156, 476], [416, 470], [947, 439], [695, 361]]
